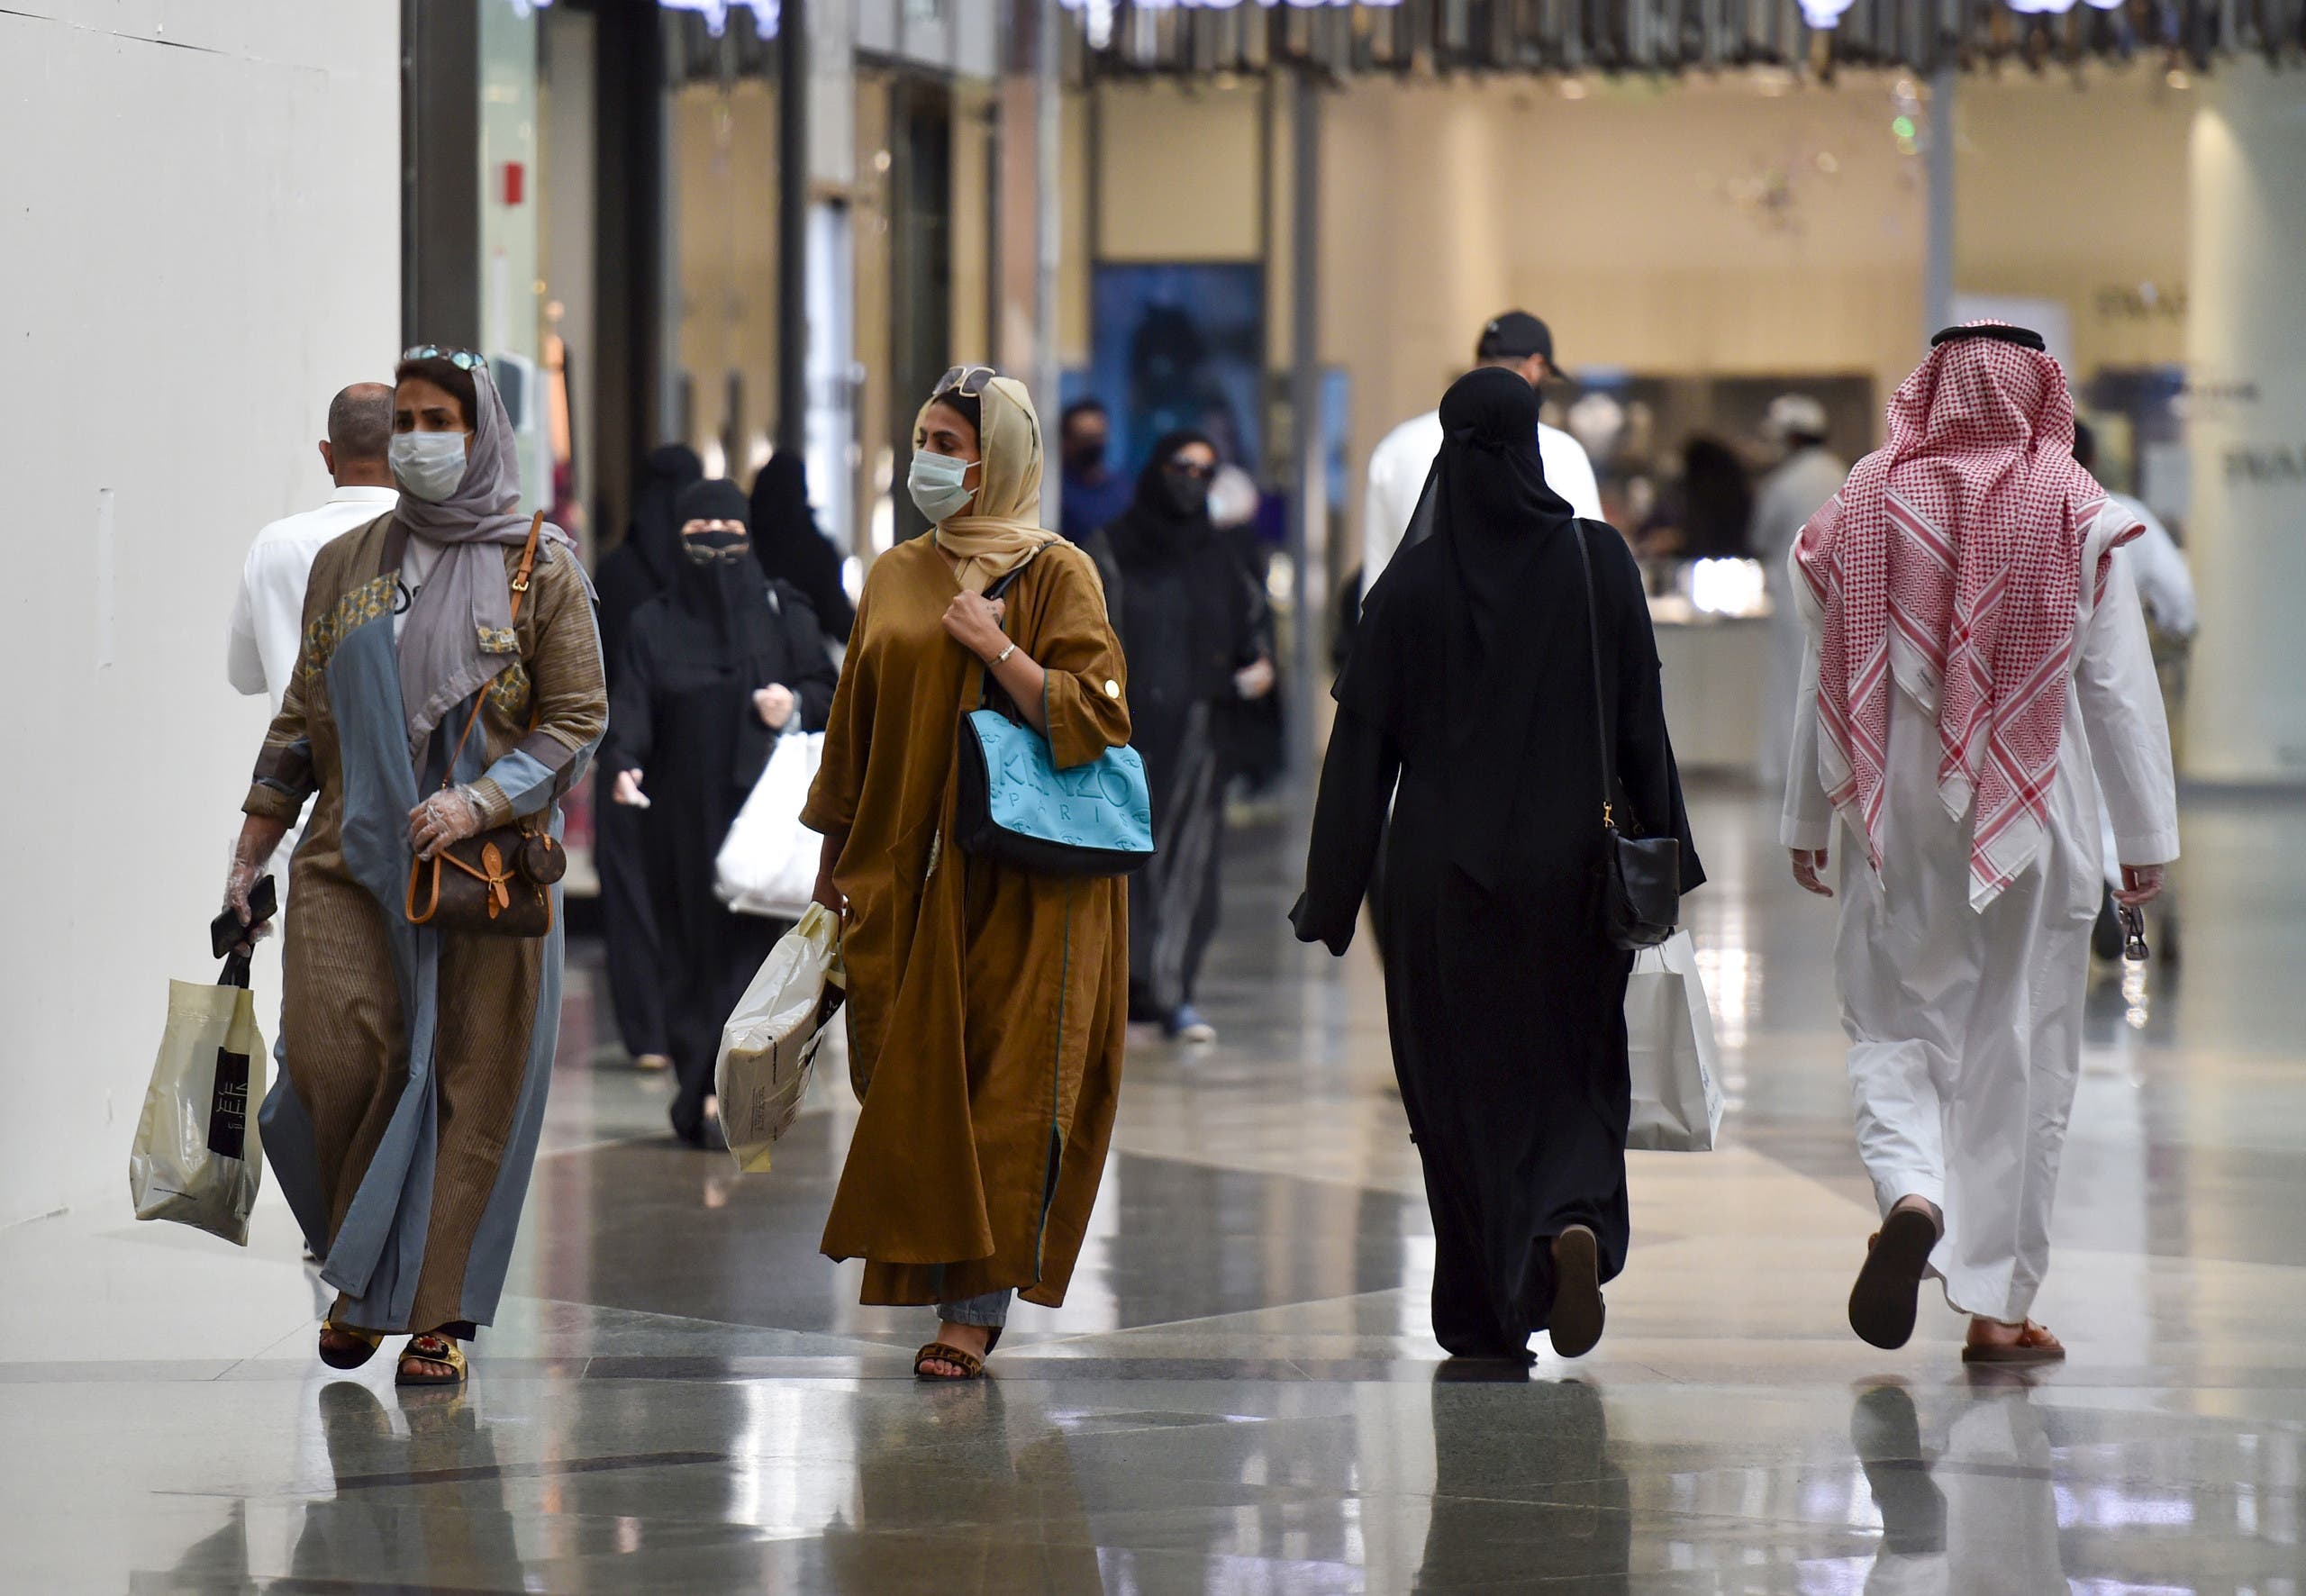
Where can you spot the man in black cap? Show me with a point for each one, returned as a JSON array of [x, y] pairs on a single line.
[[1399, 466]]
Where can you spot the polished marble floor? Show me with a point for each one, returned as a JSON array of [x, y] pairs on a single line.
[[1241, 1394]]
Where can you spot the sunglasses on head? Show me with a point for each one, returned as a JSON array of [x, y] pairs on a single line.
[[462, 359], [968, 381]]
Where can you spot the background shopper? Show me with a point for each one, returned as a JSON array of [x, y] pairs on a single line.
[[634, 573], [791, 548], [267, 625], [1191, 619], [1796, 488], [1514, 342], [714, 669]]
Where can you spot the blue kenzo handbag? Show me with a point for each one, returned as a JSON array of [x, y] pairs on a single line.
[[1016, 808]]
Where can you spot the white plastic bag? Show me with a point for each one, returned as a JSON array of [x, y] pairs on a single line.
[[767, 864], [198, 1159], [1670, 1045], [768, 1049]]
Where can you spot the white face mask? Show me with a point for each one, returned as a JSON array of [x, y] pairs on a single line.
[[428, 464], [938, 485]]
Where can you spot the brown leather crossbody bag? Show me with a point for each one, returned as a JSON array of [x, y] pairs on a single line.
[[497, 883]]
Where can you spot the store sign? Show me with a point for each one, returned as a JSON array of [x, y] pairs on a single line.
[[2268, 466]]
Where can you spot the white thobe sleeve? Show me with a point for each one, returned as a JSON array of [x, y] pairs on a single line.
[[1808, 820], [2164, 584], [244, 661], [1382, 519], [2129, 736], [1569, 472]]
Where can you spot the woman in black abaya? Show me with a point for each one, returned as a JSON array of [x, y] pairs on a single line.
[[714, 668], [634, 572], [1471, 681], [1189, 617], [792, 549]]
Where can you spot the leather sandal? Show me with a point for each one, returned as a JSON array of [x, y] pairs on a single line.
[[431, 1347], [944, 1352], [1884, 1302], [939, 1352], [2034, 1345], [354, 1346]]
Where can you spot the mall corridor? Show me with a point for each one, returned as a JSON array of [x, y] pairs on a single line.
[[1241, 1393]]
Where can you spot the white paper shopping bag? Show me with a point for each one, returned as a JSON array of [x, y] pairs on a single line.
[[1670, 1049]]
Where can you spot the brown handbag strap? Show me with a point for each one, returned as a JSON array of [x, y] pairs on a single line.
[[519, 591]]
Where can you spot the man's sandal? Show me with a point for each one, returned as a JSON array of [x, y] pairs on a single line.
[[1884, 1303], [2034, 1345], [942, 1352], [348, 1346], [431, 1347]]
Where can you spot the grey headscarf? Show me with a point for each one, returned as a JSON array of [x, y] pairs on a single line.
[[459, 634]]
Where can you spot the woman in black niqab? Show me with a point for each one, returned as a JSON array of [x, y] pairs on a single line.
[[790, 547], [1468, 707], [687, 714], [632, 573], [1188, 613]]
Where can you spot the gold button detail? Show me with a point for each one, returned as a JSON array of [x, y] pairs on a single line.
[[1112, 688]]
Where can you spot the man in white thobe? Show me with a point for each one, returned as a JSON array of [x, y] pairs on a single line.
[[1401, 463], [268, 614], [1796, 489], [2166, 588], [1963, 736]]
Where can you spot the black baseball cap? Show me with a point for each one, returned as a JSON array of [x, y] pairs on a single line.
[[1516, 335]]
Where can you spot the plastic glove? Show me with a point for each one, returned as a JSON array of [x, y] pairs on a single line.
[[1807, 862], [246, 870], [449, 816], [1253, 681], [2141, 884], [774, 705]]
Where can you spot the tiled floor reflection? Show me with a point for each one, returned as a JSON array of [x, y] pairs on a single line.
[[1241, 1395]]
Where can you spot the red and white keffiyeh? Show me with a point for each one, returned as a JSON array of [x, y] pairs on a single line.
[[1949, 564]]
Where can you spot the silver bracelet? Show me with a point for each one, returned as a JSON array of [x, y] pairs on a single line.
[[1002, 658]]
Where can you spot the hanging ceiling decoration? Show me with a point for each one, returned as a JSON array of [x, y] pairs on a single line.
[[1343, 37]]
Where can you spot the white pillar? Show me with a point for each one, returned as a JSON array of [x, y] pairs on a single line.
[[2245, 427]]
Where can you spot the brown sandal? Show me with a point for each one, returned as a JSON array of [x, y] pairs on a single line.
[[940, 1352], [431, 1347], [2034, 1345]]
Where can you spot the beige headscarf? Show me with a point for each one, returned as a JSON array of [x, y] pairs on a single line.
[[1003, 526]]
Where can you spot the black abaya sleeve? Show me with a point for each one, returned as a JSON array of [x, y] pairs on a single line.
[[813, 675], [1348, 823], [630, 738], [1645, 751]]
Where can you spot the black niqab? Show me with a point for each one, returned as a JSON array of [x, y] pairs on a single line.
[[1153, 529], [1489, 509], [655, 534], [726, 599], [1185, 603], [790, 547]]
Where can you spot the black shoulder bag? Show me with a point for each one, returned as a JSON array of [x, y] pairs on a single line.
[[1641, 876]]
